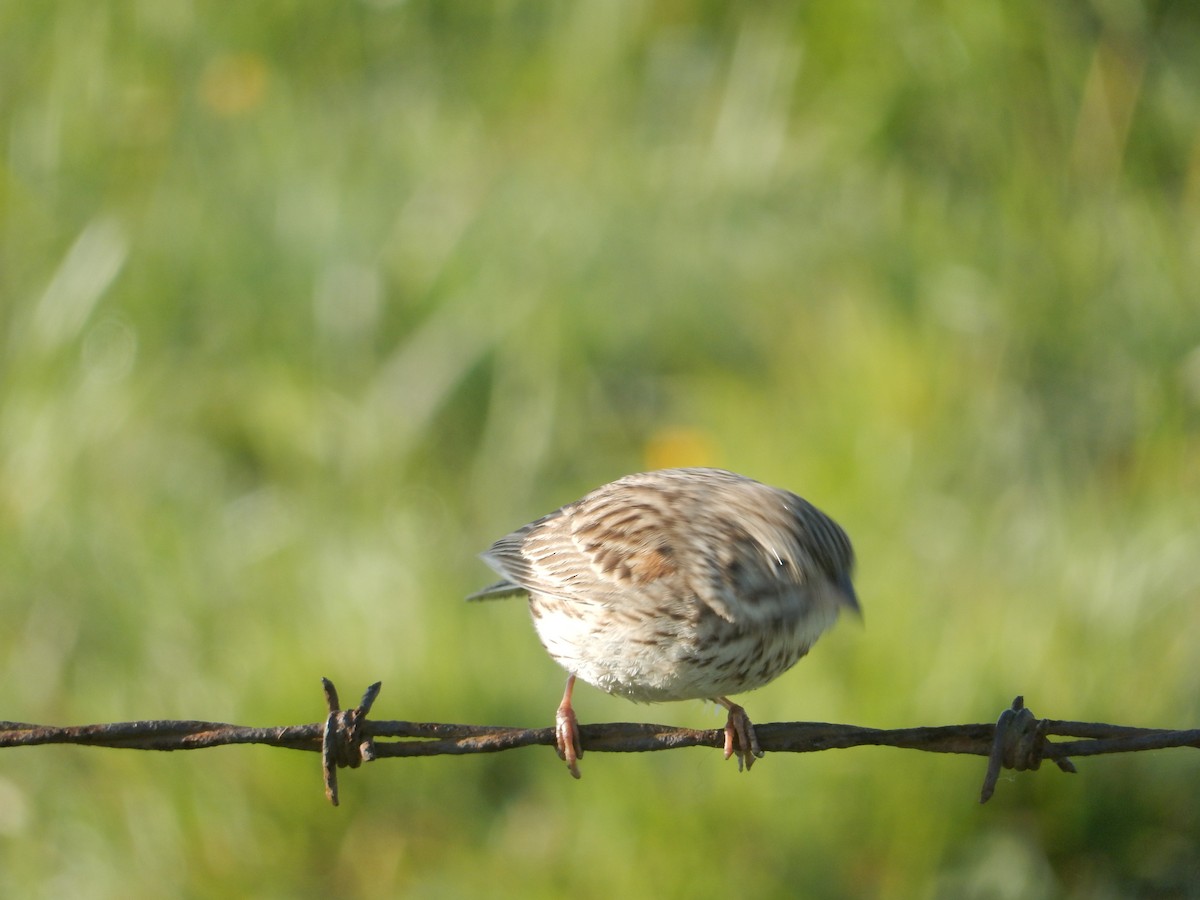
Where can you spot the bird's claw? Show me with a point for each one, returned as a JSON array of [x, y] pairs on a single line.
[[740, 738], [566, 737]]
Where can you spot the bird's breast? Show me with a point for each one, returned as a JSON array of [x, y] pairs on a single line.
[[652, 654]]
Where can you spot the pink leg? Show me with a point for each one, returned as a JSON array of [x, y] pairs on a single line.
[[739, 735], [566, 731]]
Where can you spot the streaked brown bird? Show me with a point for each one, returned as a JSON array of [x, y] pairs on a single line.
[[679, 584]]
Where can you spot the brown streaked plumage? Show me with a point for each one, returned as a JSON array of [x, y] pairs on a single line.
[[679, 584]]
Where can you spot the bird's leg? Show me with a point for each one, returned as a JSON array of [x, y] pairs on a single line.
[[739, 735], [566, 731]]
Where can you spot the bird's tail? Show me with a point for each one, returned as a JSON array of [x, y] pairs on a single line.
[[498, 591]]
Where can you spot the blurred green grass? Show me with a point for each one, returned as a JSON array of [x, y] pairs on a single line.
[[301, 307]]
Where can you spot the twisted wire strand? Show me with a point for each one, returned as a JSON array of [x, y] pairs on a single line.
[[347, 738]]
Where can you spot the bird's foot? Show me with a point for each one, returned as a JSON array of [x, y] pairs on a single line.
[[740, 738], [566, 732], [566, 735]]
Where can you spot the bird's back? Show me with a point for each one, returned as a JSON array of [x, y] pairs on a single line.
[[722, 538]]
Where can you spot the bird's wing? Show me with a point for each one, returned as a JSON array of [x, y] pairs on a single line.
[[625, 544], [720, 541]]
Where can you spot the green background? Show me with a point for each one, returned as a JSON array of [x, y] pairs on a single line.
[[303, 304]]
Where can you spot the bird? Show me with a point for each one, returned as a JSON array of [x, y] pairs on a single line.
[[677, 584]]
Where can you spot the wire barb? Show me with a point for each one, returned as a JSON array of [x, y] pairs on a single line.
[[1019, 744], [345, 742]]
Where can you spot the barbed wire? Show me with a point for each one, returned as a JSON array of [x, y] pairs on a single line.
[[347, 738]]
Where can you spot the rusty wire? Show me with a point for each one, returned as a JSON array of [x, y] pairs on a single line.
[[346, 738]]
